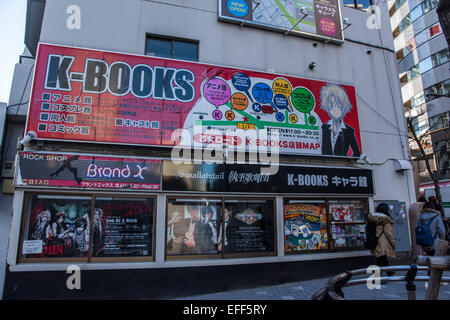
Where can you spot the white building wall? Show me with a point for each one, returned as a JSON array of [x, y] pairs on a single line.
[[374, 75], [122, 26]]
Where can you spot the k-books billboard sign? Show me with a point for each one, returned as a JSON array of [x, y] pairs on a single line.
[[248, 178], [105, 97]]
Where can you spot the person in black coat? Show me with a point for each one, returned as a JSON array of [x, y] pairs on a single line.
[[337, 137]]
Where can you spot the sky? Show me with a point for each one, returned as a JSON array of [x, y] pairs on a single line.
[[12, 31]]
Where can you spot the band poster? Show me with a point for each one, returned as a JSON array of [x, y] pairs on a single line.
[[123, 227], [58, 226]]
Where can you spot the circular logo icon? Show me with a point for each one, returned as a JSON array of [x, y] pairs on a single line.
[[229, 115]]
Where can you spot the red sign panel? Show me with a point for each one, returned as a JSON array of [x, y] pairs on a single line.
[[107, 97]]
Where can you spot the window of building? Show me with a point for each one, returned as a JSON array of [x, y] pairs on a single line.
[[418, 40], [220, 227], [434, 30], [425, 65], [399, 55], [122, 227], [314, 225], [417, 100], [305, 225], [440, 57], [347, 222], [415, 14], [358, 4], [439, 121], [437, 90], [172, 48], [82, 227], [396, 6]]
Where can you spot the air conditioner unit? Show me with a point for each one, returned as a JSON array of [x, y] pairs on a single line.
[[8, 169]]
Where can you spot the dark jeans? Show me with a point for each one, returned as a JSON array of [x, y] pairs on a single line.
[[384, 262]]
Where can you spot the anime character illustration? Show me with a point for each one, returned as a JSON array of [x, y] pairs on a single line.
[[42, 229], [337, 136]]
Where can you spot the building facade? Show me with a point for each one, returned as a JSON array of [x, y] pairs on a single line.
[[298, 134], [423, 59]]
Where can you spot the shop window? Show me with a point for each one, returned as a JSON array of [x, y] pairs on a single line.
[[171, 48], [193, 227], [347, 222], [205, 227], [56, 227], [305, 225], [249, 226], [122, 227], [78, 228]]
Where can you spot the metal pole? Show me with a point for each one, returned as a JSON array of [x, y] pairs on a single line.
[[410, 286]]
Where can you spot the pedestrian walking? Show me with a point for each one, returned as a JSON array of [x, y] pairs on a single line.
[[385, 233], [430, 220]]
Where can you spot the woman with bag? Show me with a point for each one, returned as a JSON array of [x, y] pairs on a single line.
[[385, 233]]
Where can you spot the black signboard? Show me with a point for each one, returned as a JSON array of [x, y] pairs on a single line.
[[88, 171], [249, 178]]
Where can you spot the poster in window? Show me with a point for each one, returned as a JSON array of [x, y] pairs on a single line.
[[305, 226], [348, 219], [122, 227], [60, 224], [249, 226], [193, 227]]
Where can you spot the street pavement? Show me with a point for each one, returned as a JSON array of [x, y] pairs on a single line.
[[303, 290]]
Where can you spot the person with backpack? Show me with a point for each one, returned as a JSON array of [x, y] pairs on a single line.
[[380, 236], [430, 228]]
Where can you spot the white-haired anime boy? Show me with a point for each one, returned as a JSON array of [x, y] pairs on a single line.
[[337, 137]]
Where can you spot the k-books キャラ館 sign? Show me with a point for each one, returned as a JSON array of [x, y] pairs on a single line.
[[248, 178], [88, 171], [46, 169], [105, 97], [323, 19]]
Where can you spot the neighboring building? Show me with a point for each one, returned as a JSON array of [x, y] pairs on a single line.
[[12, 125], [423, 58], [95, 185], [443, 12]]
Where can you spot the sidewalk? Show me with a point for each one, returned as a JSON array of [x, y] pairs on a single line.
[[305, 289]]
